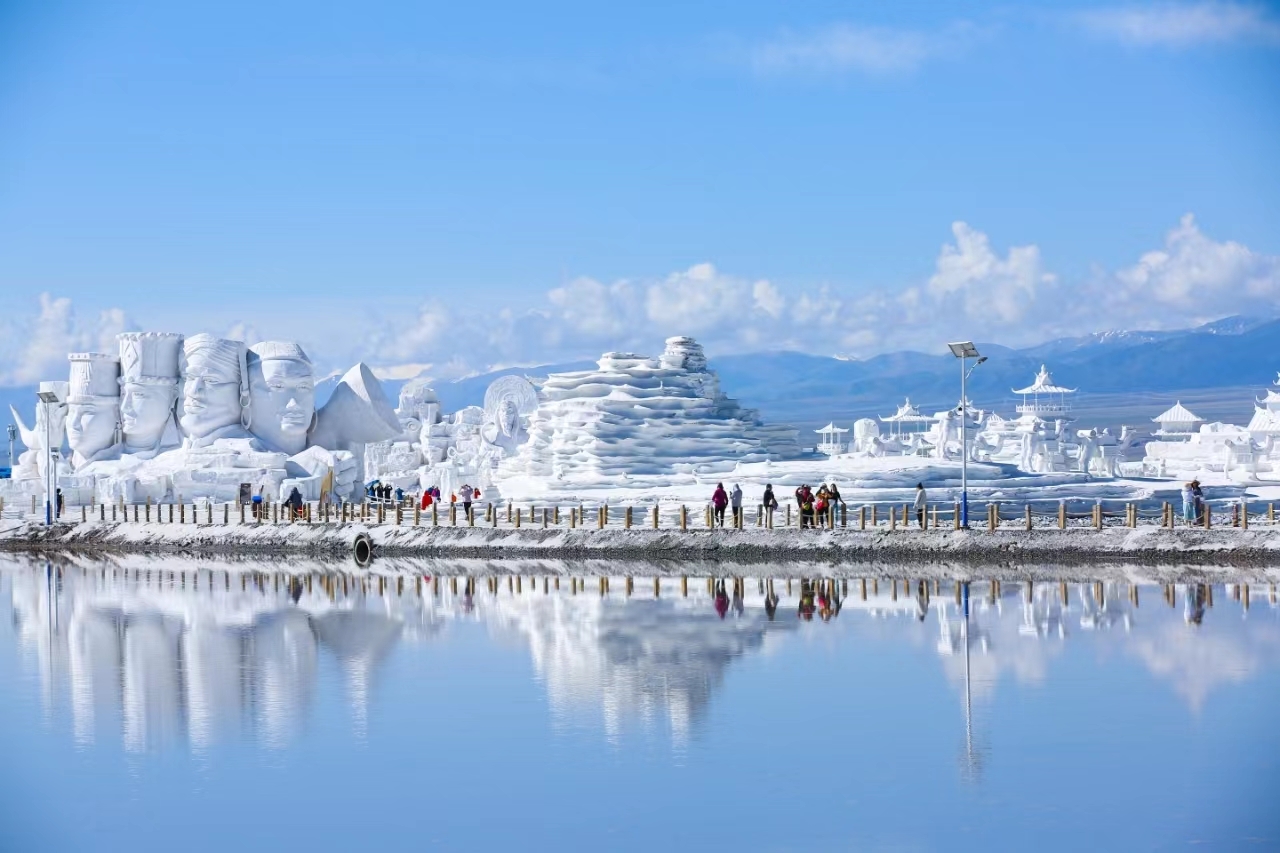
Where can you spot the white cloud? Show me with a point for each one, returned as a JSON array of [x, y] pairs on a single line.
[[699, 298], [843, 47], [976, 288], [1184, 24], [56, 331], [594, 308], [983, 283], [246, 332], [1193, 277], [767, 298]]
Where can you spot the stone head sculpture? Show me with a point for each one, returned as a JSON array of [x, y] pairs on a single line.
[[282, 395], [148, 387], [215, 385], [93, 405]]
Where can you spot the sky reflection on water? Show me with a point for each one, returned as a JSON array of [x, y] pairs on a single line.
[[208, 711]]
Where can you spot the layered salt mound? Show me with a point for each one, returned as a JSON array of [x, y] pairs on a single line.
[[642, 421]]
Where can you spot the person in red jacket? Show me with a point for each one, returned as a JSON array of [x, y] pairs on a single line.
[[719, 501]]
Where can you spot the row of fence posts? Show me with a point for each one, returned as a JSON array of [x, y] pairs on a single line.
[[868, 515]]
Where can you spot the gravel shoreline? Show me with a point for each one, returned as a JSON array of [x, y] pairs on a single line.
[[1252, 549]]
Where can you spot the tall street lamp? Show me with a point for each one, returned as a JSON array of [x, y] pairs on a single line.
[[49, 399], [965, 350], [13, 436]]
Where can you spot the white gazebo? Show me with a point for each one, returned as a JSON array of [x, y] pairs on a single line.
[[907, 419], [1043, 399], [1266, 416], [831, 443], [1177, 423]]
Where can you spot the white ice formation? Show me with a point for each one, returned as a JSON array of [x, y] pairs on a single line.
[[641, 421]]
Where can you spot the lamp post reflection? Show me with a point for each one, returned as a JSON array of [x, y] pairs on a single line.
[[971, 765]]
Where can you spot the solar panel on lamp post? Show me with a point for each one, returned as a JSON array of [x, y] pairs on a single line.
[[964, 350], [48, 399]]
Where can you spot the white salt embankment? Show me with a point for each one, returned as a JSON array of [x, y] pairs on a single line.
[[1142, 545]]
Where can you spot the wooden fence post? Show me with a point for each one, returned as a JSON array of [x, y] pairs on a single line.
[[655, 516], [684, 517], [1062, 515], [862, 517], [1244, 514], [1028, 516]]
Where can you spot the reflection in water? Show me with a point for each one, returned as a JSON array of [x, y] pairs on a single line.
[[176, 653]]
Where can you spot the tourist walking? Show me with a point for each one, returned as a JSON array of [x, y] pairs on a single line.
[[820, 503], [467, 493], [735, 501], [1188, 503], [770, 504], [804, 500], [1201, 506], [834, 500], [719, 500], [295, 502], [922, 503]]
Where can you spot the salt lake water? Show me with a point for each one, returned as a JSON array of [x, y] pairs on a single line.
[[168, 705]]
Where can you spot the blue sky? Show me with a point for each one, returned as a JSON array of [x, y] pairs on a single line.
[[466, 185]]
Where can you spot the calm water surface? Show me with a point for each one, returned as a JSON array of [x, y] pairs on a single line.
[[190, 713]]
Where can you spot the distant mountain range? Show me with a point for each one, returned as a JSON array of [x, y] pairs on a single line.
[[1123, 377]]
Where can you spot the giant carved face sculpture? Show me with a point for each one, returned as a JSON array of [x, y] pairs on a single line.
[[93, 404], [214, 391], [148, 387], [282, 395], [145, 410], [92, 426]]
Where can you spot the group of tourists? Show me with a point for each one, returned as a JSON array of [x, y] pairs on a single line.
[[720, 499], [1193, 506], [379, 492], [818, 509]]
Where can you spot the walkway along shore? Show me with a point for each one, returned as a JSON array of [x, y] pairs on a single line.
[[863, 535]]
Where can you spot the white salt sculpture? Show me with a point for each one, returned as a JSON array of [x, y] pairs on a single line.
[[282, 395], [149, 365], [93, 407], [31, 464], [635, 420], [215, 390], [508, 402]]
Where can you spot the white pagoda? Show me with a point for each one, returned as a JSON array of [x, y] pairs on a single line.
[[1178, 423], [907, 419], [1266, 416], [831, 444], [1043, 399]]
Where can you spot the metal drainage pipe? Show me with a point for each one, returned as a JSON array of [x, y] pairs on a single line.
[[362, 549]]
